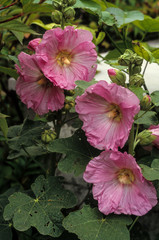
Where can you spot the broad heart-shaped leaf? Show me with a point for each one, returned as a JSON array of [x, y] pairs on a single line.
[[43, 211], [155, 98], [26, 134], [151, 173], [123, 17], [148, 24], [89, 224], [90, 5], [106, 18], [5, 227], [78, 152], [148, 118]]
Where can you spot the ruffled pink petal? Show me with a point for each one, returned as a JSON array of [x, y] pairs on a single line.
[[75, 42], [103, 132], [136, 197], [34, 43]]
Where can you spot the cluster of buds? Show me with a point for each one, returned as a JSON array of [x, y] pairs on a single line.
[[130, 58], [117, 76], [63, 9], [69, 103], [48, 136]]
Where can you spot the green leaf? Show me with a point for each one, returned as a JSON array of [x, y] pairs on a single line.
[[42, 212], [3, 124], [18, 26], [84, 85], [90, 224], [138, 91], [25, 135], [88, 5], [9, 71], [78, 152], [41, 24], [155, 98], [148, 24], [148, 118], [37, 8], [19, 36], [151, 173], [106, 18], [123, 17], [141, 49]]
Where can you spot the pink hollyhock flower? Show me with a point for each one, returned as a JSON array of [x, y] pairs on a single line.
[[34, 43], [66, 56], [34, 89], [118, 184], [107, 112], [154, 129]]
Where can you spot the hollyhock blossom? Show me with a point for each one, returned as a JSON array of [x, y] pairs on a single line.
[[154, 129], [107, 112], [118, 184], [34, 89], [34, 43], [66, 56]]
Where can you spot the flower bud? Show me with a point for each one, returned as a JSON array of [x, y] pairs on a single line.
[[145, 102], [69, 13], [129, 58], [136, 80], [69, 103], [56, 16], [57, 4], [117, 76], [34, 43], [136, 69], [48, 136], [146, 137], [71, 2], [69, 92]]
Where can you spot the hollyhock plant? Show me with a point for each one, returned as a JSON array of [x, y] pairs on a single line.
[[107, 112], [34, 89], [66, 56], [154, 129], [119, 185]]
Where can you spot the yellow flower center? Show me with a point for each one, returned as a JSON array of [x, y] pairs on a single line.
[[44, 82], [125, 176], [64, 58], [114, 112]]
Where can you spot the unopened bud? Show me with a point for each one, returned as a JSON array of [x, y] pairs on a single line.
[[146, 137], [48, 136], [136, 80], [71, 2], [69, 92], [34, 43], [117, 76], [57, 4], [69, 13], [136, 69], [56, 16], [145, 102]]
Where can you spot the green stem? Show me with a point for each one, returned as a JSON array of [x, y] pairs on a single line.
[[115, 45], [133, 223], [131, 141], [144, 85]]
